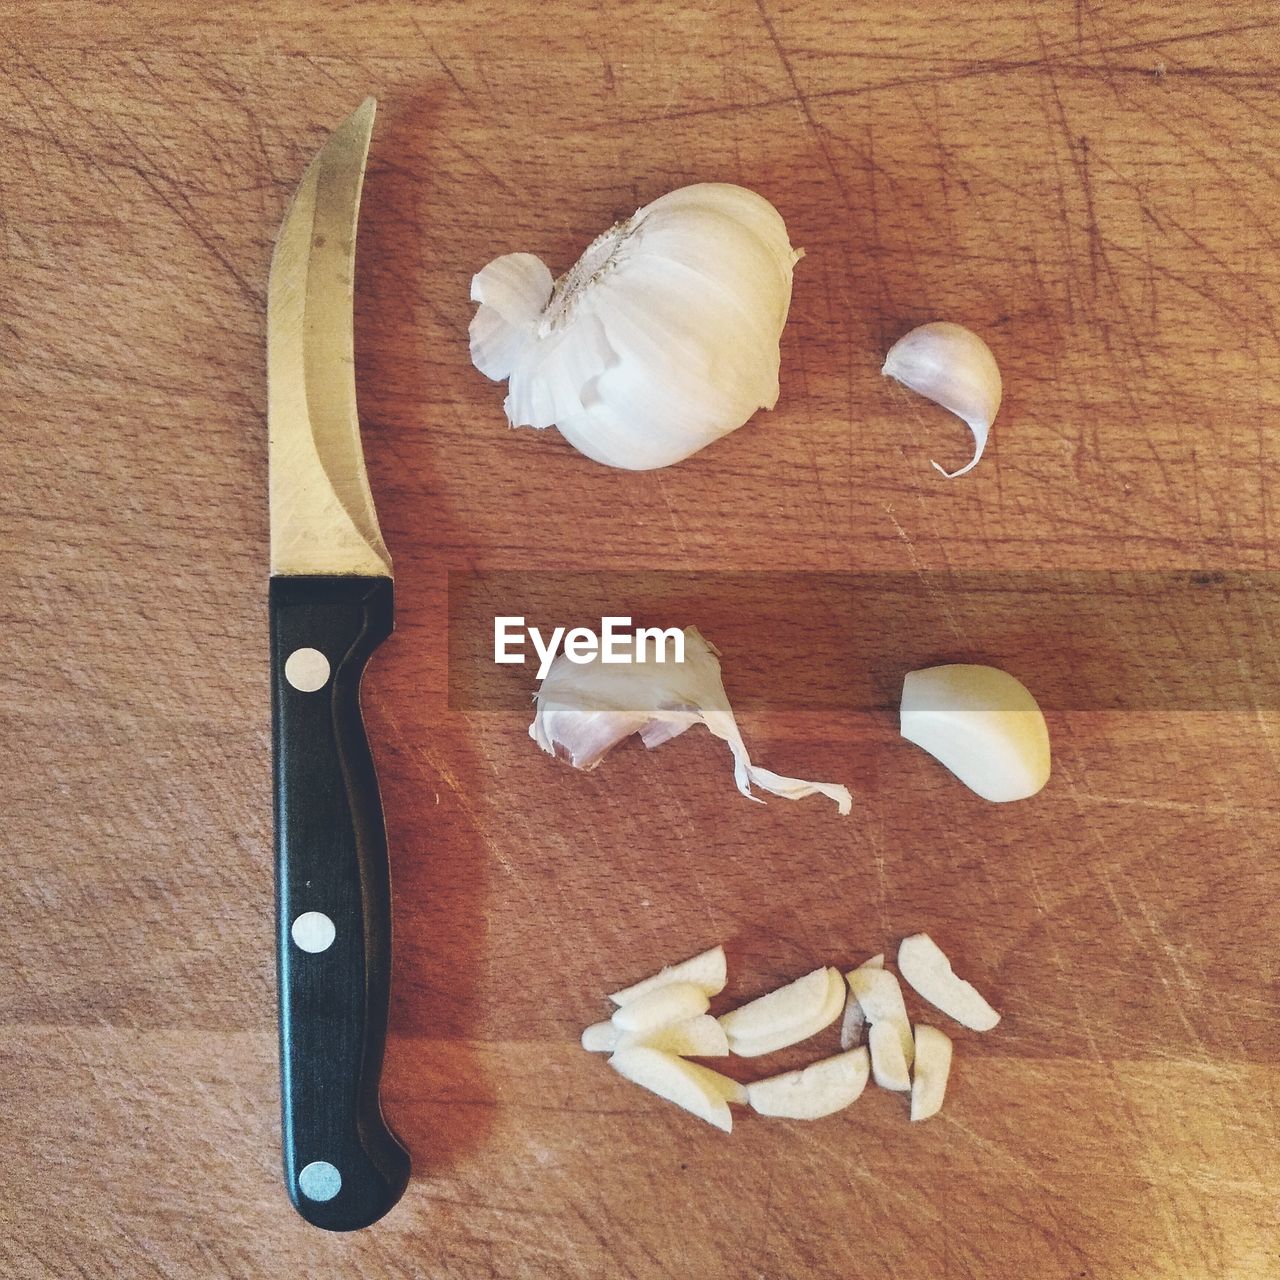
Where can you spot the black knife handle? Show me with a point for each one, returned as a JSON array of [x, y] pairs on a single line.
[[343, 1166]]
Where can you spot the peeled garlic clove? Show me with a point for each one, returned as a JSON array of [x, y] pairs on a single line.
[[662, 338], [672, 1003], [854, 1019], [816, 1091], [600, 1037], [880, 996], [888, 1062], [953, 367], [925, 966], [982, 724], [707, 970], [585, 709], [933, 1066], [782, 1032], [697, 1089], [699, 1037]]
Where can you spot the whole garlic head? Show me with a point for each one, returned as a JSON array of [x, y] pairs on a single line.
[[661, 339]]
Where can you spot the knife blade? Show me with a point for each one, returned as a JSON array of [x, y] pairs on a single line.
[[331, 605]]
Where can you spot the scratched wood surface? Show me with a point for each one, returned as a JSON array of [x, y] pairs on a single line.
[[1093, 187]]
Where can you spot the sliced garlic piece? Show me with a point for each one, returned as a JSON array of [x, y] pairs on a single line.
[[586, 709], [700, 1037], [672, 1003], [982, 724], [879, 994], [781, 1033], [695, 1088], [707, 971], [600, 1037], [933, 1066], [924, 965], [888, 1063], [788, 1006], [818, 1090], [953, 367], [854, 1019], [729, 1089]]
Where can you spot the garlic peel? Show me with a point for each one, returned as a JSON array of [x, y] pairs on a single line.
[[953, 367], [586, 709], [512, 292]]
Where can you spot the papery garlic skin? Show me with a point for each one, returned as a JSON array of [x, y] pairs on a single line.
[[953, 367], [585, 709], [981, 723], [661, 339]]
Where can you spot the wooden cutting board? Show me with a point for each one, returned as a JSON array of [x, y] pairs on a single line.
[[1092, 187]]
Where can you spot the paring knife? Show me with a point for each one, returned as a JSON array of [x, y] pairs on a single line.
[[331, 606]]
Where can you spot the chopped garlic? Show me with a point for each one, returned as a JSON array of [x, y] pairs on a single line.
[[817, 1090], [661, 1006], [708, 971], [925, 966]]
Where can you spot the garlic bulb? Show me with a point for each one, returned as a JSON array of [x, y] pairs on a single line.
[[662, 338], [953, 367], [586, 709]]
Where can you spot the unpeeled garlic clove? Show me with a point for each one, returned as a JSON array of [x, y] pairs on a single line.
[[981, 723], [953, 367]]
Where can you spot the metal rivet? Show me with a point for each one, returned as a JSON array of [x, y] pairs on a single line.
[[307, 670], [319, 1181], [313, 931]]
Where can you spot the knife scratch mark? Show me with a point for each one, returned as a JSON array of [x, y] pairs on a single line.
[[167, 197], [439, 771]]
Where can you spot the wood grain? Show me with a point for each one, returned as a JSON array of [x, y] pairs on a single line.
[[1092, 187]]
